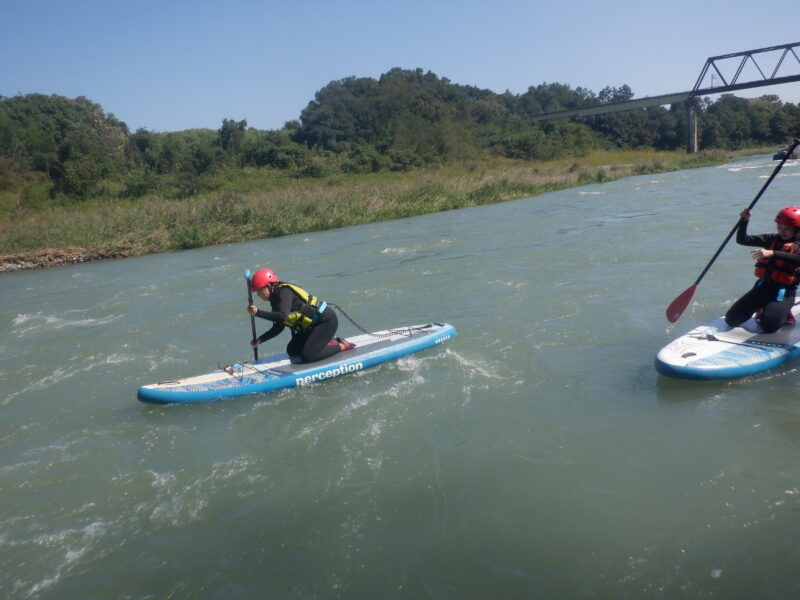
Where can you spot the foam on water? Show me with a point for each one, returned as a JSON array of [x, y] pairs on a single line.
[[25, 324], [474, 367], [65, 550], [738, 169], [40, 382]]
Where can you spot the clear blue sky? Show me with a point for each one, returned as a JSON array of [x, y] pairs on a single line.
[[170, 65]]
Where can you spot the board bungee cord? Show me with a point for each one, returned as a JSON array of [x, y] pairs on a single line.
[[407, 331], [238, 369], [717, 351], [278, 371]]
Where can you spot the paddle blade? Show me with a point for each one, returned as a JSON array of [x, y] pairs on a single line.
[[675, 310], [247, 274]]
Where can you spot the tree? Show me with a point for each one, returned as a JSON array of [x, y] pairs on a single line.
[[231, 135], [73, 141], [610, 94]]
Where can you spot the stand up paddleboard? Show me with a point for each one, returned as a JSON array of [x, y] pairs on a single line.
[[715, 351], [276, 372]]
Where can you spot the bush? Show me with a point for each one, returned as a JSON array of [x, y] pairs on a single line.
[[363, 160], [315, 170], [403, 160], [142, 184]]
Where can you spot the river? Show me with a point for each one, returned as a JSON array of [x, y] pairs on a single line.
[[536, 455]]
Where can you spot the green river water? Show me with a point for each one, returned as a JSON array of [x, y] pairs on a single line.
[[536, 455]]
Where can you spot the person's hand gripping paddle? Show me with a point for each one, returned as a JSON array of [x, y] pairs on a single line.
[[247, 276], [676, 308]]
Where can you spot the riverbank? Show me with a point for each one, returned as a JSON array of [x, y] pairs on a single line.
[[54, 258], [256, 204]]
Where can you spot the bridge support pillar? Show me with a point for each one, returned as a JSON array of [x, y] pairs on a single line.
[[691, 125]]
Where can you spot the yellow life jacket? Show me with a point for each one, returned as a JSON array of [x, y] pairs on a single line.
[[309, 313]]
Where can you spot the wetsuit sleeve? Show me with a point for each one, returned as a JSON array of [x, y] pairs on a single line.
[[758, 241], [271, 333], [281, 308], [763, 241], [788, 257]]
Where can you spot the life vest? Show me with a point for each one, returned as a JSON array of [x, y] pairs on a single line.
[[775, 269], [309, 312]]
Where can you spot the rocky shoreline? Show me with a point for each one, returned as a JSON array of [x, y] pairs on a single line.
[[54, 258]]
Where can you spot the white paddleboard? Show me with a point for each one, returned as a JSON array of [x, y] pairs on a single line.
[[277, 372], [716, 351]]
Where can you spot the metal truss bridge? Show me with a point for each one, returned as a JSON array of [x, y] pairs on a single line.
[[712, 80]]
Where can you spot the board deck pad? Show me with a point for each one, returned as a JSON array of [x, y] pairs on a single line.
[[275, 372], [716, 351]]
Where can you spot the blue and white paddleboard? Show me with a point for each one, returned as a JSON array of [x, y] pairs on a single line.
[[276, 372], [715, 351]]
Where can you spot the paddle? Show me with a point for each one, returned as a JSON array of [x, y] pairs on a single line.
[[252, 318], [676, 308]]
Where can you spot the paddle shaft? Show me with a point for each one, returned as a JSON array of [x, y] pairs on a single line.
[[252, 318], [752, 204], [677, 306]]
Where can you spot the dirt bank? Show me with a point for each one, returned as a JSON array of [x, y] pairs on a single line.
[[54, 258]]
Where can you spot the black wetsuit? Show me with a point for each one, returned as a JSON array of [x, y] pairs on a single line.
[[309, 344], [765, 295]]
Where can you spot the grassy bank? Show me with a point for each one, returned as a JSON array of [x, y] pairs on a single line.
[[256, 204]]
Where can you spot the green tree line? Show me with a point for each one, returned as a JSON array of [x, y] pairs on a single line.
[[59, 150]]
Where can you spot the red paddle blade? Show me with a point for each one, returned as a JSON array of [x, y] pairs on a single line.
[[675, 310]]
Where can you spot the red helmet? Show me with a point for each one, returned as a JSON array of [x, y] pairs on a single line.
[[789, 216], [264, 277]]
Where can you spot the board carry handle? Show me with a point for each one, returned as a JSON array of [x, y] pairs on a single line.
[[247, 276], [677, 306]]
